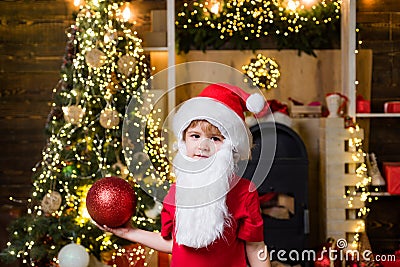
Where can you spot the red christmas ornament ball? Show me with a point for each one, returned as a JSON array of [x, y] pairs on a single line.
[[111, 201]]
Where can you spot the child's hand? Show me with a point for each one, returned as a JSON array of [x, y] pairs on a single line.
[[119, 231]]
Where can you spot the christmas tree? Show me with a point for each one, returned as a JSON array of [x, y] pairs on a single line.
[[104, 71]]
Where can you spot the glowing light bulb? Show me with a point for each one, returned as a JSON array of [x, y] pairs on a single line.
[[126, 13], [215, 8], [292, 5]]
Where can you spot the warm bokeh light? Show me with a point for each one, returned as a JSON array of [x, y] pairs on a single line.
[[215, 8], [127, 12], [292, 5]]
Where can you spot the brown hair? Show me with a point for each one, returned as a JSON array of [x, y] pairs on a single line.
[[206, 126]]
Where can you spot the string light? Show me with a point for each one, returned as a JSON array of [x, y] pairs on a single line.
[[77, 3], [126, 12], [248, 21], [361, 189]]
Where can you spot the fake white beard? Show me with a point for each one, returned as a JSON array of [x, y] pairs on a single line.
[[201, 188]]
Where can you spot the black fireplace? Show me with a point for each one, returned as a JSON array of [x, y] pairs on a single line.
[[279, 167]]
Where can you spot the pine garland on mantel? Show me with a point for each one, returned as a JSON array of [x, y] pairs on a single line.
[[258, 24]]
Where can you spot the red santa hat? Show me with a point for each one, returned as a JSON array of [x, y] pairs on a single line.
[[222, 105]]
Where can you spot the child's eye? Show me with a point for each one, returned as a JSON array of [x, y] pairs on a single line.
[[216, 139], [195, 135]]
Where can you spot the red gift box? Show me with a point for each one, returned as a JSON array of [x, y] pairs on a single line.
[[392, 173], [363, 106], [392, 107]]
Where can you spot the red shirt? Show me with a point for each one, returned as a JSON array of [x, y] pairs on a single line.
[[228, 251]]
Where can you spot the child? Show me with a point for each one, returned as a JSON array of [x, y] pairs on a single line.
[[210, 217]]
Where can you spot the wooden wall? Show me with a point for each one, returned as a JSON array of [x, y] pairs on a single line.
[[32, 42], [379, 23]]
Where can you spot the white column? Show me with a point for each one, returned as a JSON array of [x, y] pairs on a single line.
[[348, 46], [171, 53]]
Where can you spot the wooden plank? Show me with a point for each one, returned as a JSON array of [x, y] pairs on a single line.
[[346, 226], [40, 32], [24, 165], [25, 64], [22, 124], [377, 31], [382, 47], [378, 6], [12, 140], [24, 108], [35, 141], [54, 9], [15, 176], [379, 18], [22, 50], [339, 202], [18, 148], [342, 180], [20, 83]]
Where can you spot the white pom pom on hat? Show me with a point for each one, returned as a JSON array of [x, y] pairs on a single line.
[[223, 105], [255, 103]]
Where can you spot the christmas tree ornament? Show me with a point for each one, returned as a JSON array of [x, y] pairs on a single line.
[[113, 86], [122, 168], [109, 118], [111, 201], [126, 64], [73, 255], [70, 170], [374, 172], [109, 36], [95, 58], [73, 114], [51, 202]]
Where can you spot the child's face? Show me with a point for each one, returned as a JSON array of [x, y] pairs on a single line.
[[202, 141]]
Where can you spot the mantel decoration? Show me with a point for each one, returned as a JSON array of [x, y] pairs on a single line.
[[263, 72], [283, 24]]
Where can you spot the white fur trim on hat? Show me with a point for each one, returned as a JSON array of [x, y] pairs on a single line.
[[228, 122]]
